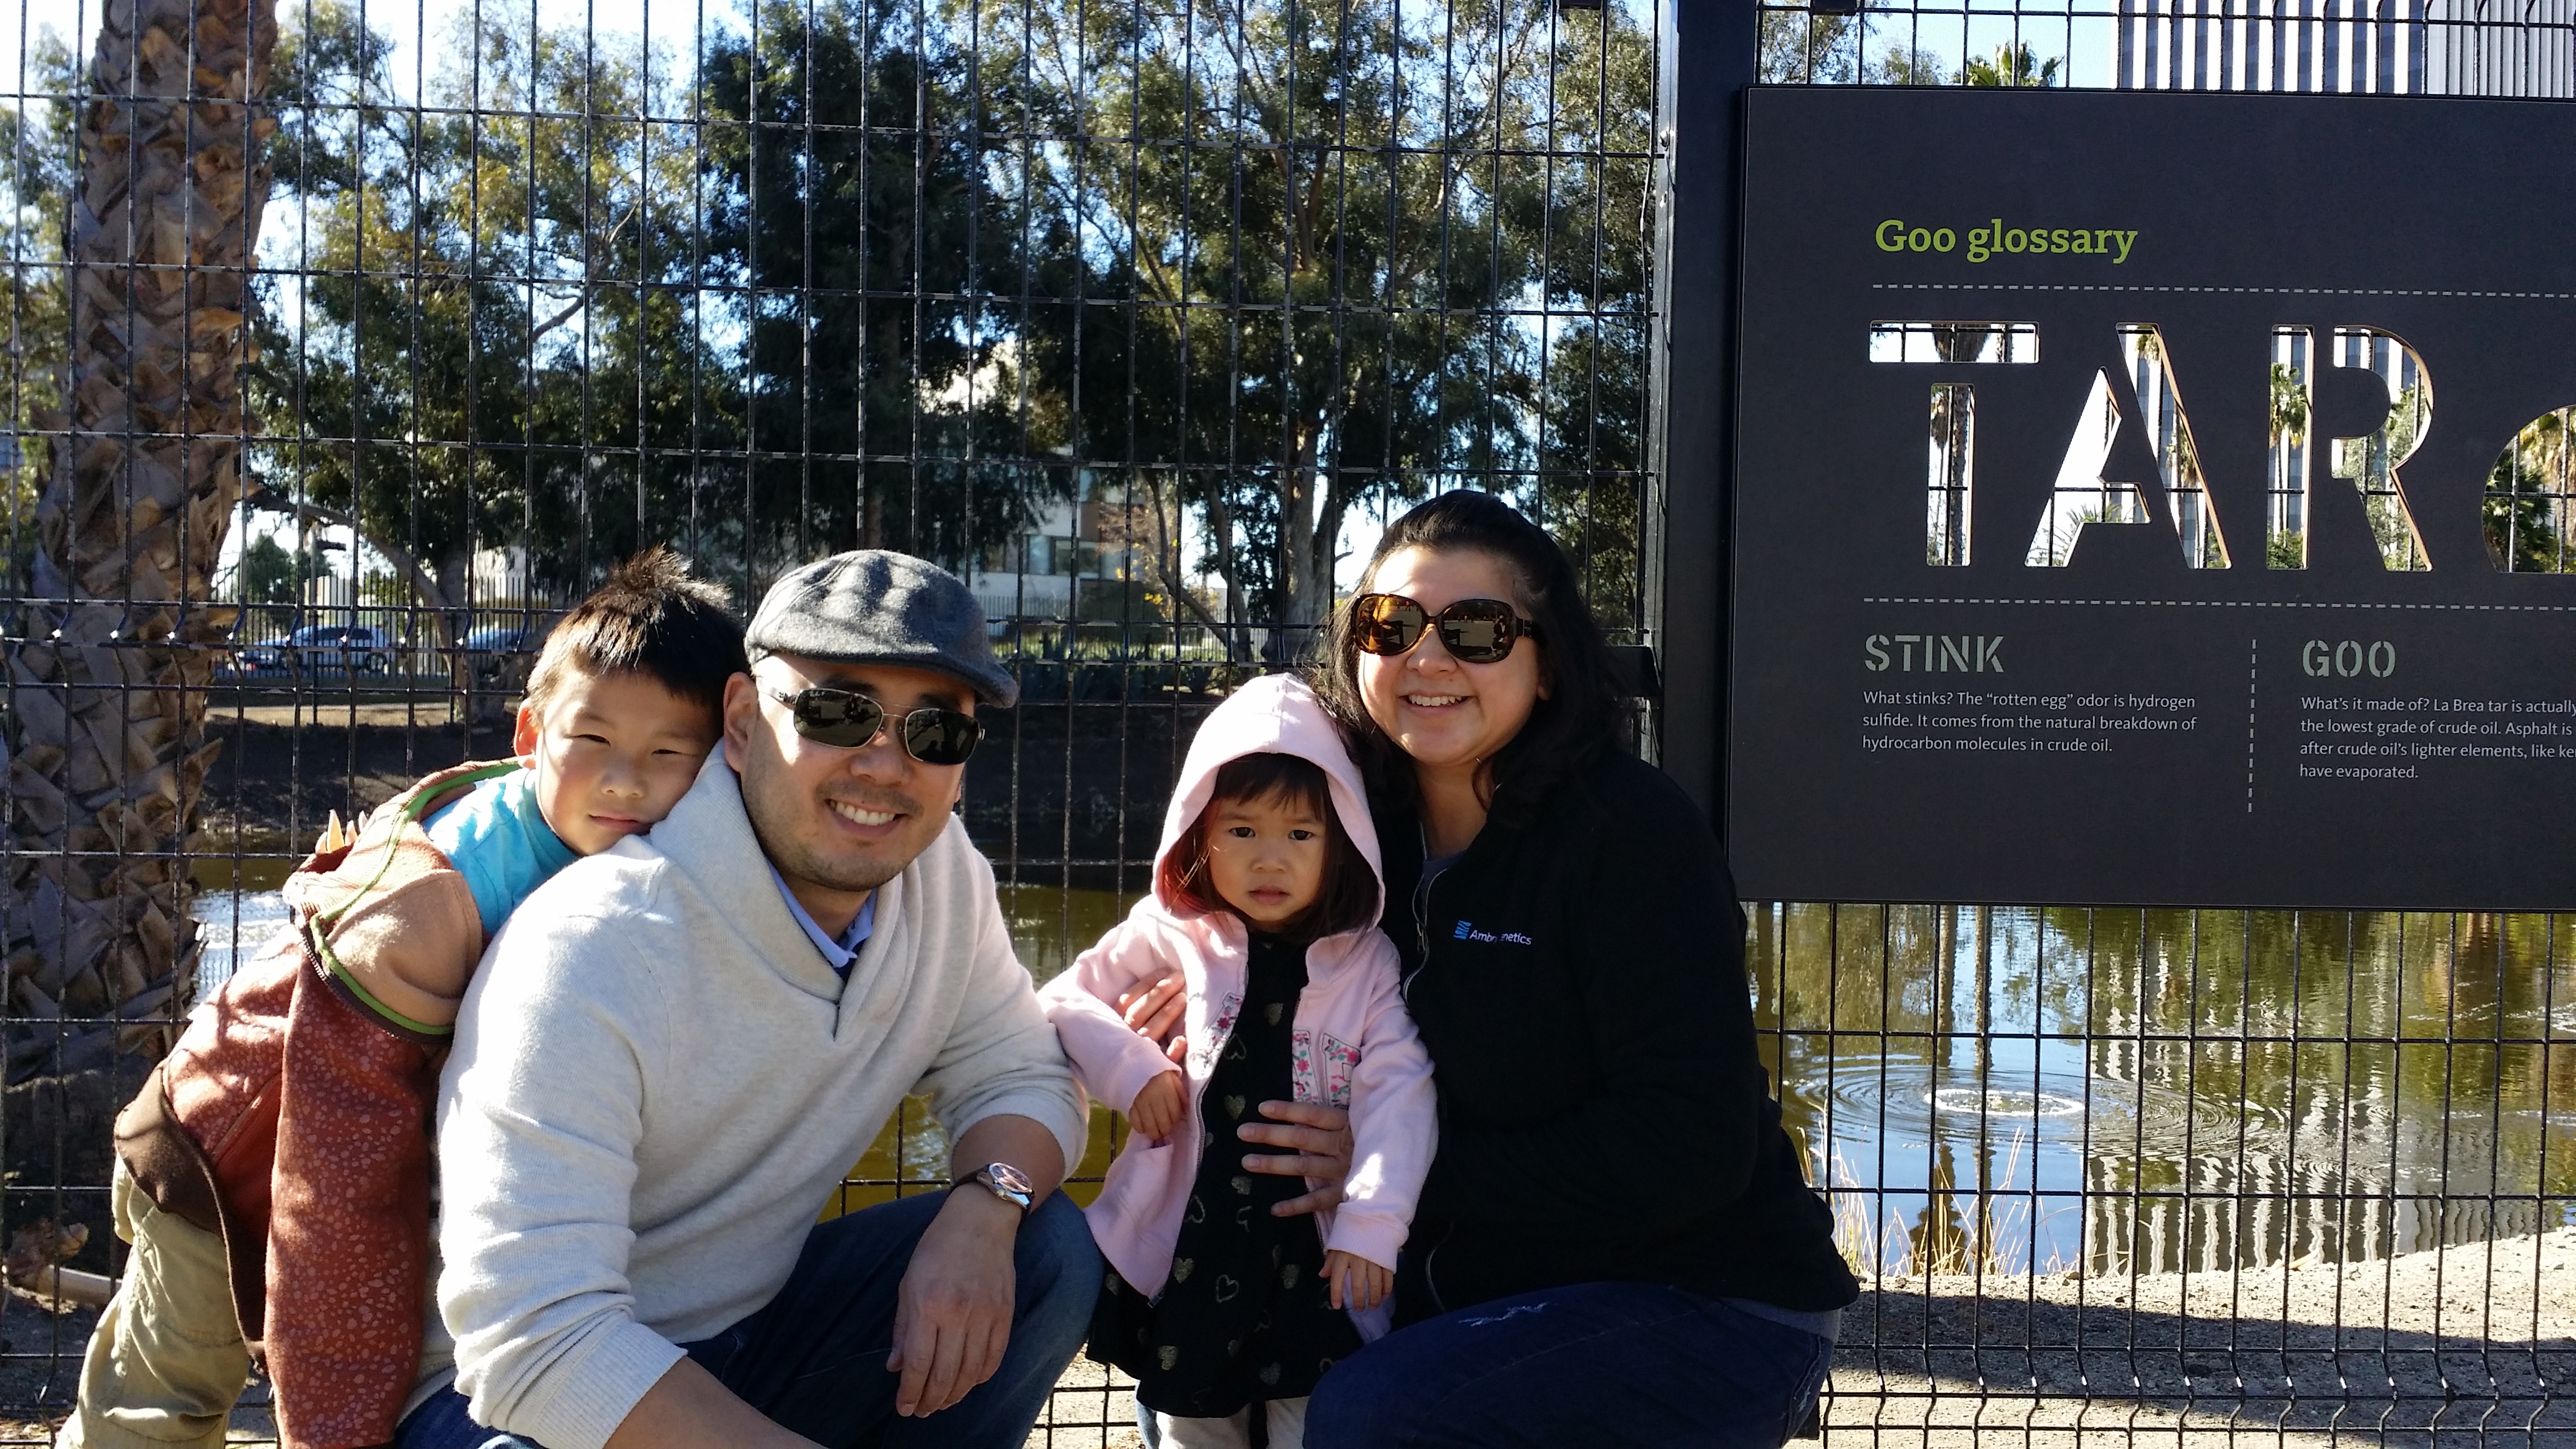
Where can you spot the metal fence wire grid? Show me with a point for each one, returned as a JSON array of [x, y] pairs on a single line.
[[349, 342]]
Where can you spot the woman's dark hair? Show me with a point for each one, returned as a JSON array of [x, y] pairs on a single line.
[[1586, 708], [1349, 896]]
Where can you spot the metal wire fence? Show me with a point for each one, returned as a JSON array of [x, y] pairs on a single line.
[[349, 341], [2190, 1176]]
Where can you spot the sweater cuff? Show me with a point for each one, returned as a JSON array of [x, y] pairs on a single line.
[[581, 1400], [1058, 1112], [1363, 1234], [1134, 1073]]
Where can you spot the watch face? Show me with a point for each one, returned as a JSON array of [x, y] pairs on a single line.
[[1010, 1179]]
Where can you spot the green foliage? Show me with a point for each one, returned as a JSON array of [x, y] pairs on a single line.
[[2289, 403], [267, 573], [35, 182], [490, 344], [1802, 47], [899, 277], [1321, 276], [2527, 497], [2010, 65], [861, 198]]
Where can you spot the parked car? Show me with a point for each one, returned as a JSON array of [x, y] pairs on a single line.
[[325, 648], [502, 654]]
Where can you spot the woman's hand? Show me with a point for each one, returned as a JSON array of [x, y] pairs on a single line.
[[1355, 1282], [1153, 1010], [1318, 1139], [1156, 1113]]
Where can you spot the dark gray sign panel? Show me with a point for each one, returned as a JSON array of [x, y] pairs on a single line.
[[2126, 488]]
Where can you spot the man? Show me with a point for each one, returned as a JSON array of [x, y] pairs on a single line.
[[678, 1046]]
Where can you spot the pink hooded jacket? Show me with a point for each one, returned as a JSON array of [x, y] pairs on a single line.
[[1354, 1045]]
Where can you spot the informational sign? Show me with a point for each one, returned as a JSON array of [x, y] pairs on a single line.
[[2155, 499]]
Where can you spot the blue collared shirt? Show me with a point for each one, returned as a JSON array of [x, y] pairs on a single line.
[[839, 953]]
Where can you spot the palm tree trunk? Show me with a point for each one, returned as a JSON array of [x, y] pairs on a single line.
[[109, 699]]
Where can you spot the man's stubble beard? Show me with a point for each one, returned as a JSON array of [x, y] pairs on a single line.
[[772, 797]]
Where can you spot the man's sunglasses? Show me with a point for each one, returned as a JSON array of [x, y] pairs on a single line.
[[849, 720], [1474, 631]]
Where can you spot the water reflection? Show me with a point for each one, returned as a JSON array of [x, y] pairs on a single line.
[[2009, 1088], [1049, 927], [2004, 1089]]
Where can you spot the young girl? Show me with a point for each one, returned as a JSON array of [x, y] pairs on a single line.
[[1266, 898]]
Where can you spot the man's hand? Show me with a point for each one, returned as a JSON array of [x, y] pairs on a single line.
[[1318, 1139], [1154, 1009], [952, 1316], [1355, 1281], [1156, 1113]]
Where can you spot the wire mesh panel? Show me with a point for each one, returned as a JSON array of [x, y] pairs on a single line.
[[2193, 1176], [351, 342]]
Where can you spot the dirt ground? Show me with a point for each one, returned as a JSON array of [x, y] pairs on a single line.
[[1058, 792], [2467, 1345], [285, 767], [2460, 1347]]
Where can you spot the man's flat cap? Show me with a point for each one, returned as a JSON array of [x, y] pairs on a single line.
[[875, 606]]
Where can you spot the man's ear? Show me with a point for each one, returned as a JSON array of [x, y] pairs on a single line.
[[523, 737], [741, 716]]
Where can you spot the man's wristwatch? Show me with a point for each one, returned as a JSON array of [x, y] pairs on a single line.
[[1006, 1182]]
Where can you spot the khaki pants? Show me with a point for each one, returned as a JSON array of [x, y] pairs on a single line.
[[167, 1361]]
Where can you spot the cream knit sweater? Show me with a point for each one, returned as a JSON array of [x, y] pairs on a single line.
[[657, 1081]]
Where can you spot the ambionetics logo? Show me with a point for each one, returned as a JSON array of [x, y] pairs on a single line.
[[1466, 932]]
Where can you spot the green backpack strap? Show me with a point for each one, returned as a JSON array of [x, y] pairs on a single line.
[[418, 806]]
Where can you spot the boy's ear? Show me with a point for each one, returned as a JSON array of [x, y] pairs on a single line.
[[523, 738]]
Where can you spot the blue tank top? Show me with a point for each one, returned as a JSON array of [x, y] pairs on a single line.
[[499, 841]]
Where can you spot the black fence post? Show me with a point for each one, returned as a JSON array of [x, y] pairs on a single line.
[[1713, 60]]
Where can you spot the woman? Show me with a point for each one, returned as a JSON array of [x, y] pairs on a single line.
[[1616, 1244]]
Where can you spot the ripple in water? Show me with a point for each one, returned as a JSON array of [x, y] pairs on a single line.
[[1896, 1100], [2005, 1102]]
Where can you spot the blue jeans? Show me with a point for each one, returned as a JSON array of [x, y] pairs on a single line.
[[1602, 1365], [814, 1360]]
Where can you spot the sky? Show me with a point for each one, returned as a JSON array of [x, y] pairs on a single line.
[[673, 24]]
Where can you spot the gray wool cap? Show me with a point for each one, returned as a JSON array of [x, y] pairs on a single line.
[[875, 606]]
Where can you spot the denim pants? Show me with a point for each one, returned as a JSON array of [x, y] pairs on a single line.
[[1601, 1365], [814, 1360]]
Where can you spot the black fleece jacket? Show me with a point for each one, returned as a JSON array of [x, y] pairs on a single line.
[[1580, 984]]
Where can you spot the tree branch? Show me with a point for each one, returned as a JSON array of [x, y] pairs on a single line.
[[423, 582]]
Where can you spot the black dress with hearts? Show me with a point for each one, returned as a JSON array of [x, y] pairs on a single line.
[[1246, 1314]]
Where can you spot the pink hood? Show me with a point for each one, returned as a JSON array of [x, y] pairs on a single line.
[[1275, 714], [1355, 1047]]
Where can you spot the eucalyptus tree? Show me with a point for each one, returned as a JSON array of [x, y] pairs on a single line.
[[881, 262], [489, 337], [1342, 244]]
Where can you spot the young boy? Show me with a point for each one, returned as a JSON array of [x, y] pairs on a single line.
[[274, 1172]]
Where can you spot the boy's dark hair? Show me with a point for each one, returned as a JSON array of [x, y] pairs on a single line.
[[1586, 709], [1348, 899], [652, 619]]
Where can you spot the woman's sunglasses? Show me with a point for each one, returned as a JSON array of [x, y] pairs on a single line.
[[849, 720], [1474, 631]]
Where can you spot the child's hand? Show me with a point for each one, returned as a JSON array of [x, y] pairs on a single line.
[[1355, 1281], [1156, 1112], [1153, 1010]]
